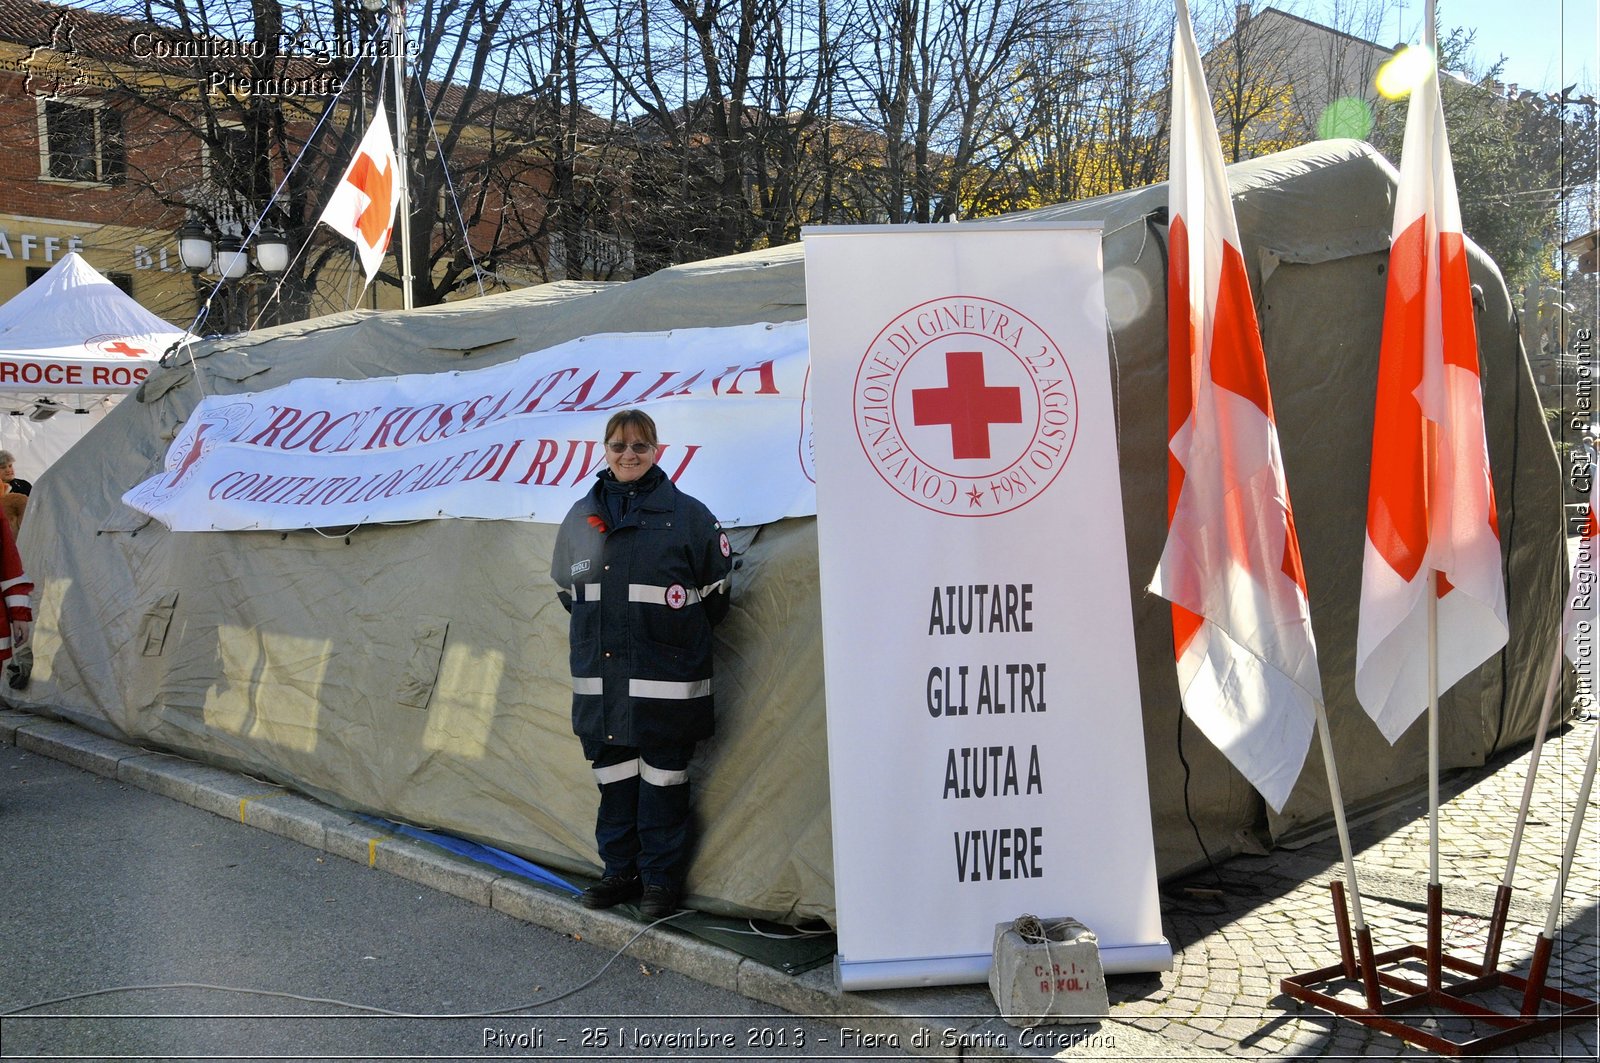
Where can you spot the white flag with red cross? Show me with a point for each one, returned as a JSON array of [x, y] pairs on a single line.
[[1430, 504], [362, 206], [1241, 622]]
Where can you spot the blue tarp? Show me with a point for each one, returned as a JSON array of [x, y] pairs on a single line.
[[482, 854]]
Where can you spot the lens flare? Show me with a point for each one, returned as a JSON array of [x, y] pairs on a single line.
[[1127, 295], [1345, 117], [1409, 68]]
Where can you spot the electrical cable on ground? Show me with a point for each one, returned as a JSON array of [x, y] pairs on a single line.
[[276, 994]]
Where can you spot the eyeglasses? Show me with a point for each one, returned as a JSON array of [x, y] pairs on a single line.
[[637, 448]]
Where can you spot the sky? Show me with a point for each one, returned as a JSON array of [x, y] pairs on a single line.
[[1548, 44]]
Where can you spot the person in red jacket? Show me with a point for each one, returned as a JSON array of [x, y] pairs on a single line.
[[17, 590]]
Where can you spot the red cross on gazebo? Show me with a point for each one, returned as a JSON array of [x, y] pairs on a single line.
[[966, 404], [124, 347]]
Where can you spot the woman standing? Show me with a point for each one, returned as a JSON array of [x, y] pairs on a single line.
[[644, 570]]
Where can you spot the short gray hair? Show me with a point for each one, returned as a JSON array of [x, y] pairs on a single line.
[[7, 458]]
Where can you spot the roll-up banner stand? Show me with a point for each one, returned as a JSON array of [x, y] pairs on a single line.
[[985, 745]]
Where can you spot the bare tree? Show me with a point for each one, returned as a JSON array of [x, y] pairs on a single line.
[[1134, 124], [1039, 128], [927, 83], [1337, 69], [798, 73], [1251, 79], [1090, 113], [687, 67]]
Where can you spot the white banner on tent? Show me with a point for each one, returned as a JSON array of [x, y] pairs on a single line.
[[517, 441], [982, 693]]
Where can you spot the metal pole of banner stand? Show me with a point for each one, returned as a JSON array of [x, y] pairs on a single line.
[[1541, 949], [1502, 900], [397, 42], [1435, 954]]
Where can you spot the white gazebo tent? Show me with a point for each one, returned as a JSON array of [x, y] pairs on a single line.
[[71, 345]]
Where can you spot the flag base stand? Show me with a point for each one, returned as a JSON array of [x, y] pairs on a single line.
[[1425, 1013]]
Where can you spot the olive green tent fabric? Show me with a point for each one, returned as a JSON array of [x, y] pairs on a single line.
[[418, 672], [1314, 224]]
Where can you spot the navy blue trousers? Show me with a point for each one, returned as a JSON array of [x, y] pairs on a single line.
[[644, 818]]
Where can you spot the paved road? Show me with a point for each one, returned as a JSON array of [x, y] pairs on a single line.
[[265, 948]]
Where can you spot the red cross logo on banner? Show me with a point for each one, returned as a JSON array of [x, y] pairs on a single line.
[[677, 597], [1007, 398], [966, 404], [194, 453], [123, 347]]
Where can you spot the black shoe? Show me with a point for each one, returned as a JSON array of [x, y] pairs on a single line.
[[611, 891], [659, 902]]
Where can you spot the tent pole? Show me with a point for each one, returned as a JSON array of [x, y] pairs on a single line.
[[1502, 900]]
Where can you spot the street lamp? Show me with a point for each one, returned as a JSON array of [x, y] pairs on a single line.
[[194, 246], [201, 251], [225, 256], [232, 262], [272, 251]]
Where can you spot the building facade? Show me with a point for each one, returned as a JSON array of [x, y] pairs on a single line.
[[114, 133]]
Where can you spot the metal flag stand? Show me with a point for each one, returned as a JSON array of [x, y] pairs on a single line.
[[1418, 1005]]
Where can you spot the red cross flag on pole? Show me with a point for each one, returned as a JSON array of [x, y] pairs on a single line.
[[1241, 622], [1432, 530], [362, 207]]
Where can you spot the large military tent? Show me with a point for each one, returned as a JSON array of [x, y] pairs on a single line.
[[419, 671]]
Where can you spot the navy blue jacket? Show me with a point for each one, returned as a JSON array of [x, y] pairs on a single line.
[[643, 598]]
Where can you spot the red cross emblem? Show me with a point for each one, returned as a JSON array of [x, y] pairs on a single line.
[[1006, 396], [677, 597], [378, 185], [966, 404], [193, 454], [123, 347]]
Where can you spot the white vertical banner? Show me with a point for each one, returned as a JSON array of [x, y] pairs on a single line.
[[985, 741]]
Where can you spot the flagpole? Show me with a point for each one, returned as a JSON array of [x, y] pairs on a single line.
[[1435, 889], [397, 44], [1502, 900], [1367, 969], [1430, 455], [1542, 946]]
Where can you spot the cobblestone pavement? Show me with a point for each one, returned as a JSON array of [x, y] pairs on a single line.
[[1273, 916]]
